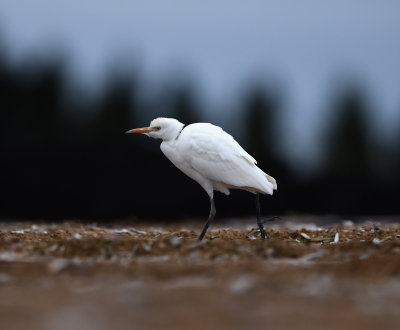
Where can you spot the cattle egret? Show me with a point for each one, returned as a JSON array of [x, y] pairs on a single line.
[[213, 158]]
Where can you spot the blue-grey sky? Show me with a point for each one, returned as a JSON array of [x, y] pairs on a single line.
[[305, 45]]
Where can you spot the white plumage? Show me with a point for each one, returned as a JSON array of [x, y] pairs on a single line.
[[212, 157]]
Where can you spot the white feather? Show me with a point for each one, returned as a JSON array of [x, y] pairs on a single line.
[[214, 159]]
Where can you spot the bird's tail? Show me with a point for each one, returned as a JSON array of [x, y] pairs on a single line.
[[271, 180], [269, 185]]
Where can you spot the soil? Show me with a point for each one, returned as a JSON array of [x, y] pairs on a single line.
[[138, 276]]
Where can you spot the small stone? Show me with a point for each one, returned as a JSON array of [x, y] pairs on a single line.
[[376, 240], [336, 240], [52, 248], [57, 265], [304, 235], [17, 232], [241, 284], [175, 241], [77, 236], [320, 239], [147, 247], [121, 231]]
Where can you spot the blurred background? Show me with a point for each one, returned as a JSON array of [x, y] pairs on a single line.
[[311, 89]]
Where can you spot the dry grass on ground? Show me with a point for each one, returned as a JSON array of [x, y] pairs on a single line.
[[80, 276]]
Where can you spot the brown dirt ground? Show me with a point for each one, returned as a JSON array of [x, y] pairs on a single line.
[[135, 276]]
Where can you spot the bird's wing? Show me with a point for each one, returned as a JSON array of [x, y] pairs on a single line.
[[217, 156]]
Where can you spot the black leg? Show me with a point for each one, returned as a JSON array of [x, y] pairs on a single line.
[[210, 218], [260, 223]]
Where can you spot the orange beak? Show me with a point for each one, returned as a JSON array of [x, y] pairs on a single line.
[[142, 130]]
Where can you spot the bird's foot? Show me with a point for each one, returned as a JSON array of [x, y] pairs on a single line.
[[263, 232], [264, 235]]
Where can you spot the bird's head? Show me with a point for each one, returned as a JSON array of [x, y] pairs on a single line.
[[161, 128]]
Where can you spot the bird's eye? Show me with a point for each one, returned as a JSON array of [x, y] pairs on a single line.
[[157, 128]]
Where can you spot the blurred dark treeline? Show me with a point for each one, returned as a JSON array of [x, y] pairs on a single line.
[[63, 158]]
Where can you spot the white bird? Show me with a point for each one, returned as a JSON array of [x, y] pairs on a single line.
[[213, 158]]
